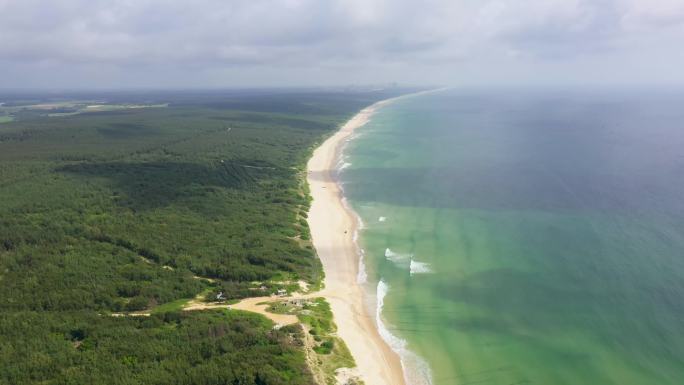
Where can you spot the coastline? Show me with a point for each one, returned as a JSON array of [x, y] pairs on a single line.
[[333, 227]]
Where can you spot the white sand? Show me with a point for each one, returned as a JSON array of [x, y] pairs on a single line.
[[332, 228], [252, 304]]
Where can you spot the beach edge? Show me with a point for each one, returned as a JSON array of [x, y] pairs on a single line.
[[333, 225]]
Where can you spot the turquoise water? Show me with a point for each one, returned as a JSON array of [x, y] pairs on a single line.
[[528, 237]]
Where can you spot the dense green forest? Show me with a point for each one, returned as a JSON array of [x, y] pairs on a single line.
[[126, 209]]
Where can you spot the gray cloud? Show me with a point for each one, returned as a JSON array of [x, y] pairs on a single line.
[[166, 43]]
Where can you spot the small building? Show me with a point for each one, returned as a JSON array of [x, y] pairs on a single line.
[[281, 292], [220, 296]]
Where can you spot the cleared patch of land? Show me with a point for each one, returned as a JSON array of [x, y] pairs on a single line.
[[29, 110]]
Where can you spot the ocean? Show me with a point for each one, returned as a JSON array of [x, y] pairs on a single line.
[[526, 236]]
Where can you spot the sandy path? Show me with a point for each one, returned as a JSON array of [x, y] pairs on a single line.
[[332, 227], [253, 304]]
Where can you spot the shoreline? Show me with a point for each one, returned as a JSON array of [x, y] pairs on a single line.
[[333, 226]]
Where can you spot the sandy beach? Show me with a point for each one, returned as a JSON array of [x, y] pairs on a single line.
[[332, 227]]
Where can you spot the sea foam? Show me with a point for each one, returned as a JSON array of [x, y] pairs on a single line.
[[416, 267], [399, 259], [416, 370], [362, 276], [382, 219]]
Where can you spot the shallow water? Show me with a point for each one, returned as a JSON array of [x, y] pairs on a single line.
[[528, 237]]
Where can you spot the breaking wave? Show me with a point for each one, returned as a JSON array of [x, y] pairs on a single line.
[[416, 267], [406, 261], [416, 370], [401, 260], [362, 276]]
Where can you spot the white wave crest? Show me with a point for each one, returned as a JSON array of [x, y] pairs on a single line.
[[393, 341], [416, 370], [416, 267], [362, 276], [396, 257], [382, 219], [344, 165], [354, 137], [359, 223]]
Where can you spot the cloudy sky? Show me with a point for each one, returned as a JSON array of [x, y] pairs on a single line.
[[237, 43]]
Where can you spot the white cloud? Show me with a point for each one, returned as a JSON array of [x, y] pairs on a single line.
[[654, 14], [341, 40]]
